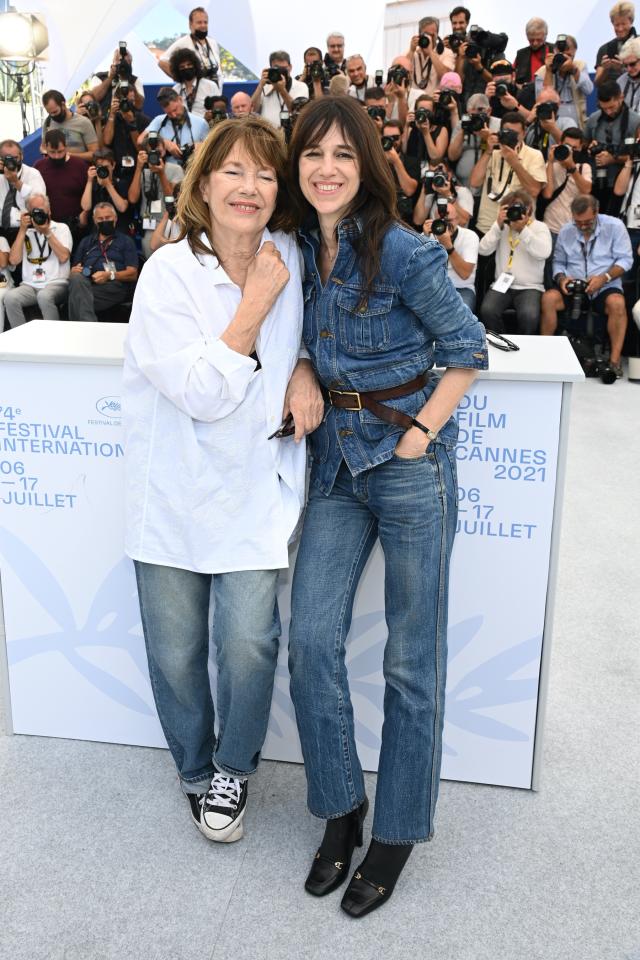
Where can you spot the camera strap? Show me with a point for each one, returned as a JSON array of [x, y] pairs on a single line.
[[421, 74], [587, 250], [205, 55], [634, 101], [630, 191], [189, 98], [41, 248], [150, 186], [498, 196]]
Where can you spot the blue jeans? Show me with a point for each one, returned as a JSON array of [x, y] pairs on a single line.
[[175, 605], [411, 506], [468, 296]]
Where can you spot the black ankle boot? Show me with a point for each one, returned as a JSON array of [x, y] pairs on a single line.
[[333, 859], [373, 882]]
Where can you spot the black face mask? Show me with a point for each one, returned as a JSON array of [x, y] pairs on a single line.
[[200, 34], [187, 74], [107, 228], [59, 117]]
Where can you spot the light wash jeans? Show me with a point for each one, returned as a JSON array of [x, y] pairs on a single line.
[[175, 609], [411, 506]]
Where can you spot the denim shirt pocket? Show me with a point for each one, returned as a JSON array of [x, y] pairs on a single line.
[[364, 324]]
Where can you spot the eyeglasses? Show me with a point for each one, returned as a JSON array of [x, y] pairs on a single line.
[[501, 342], [632, 63]]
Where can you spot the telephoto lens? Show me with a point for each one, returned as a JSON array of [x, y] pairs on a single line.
[[546, 110], [440, 180], [562, 152]]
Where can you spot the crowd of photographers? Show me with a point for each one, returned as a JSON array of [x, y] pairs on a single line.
[[536, 201]]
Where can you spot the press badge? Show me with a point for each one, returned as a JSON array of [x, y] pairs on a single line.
[[127, 162], [502, 284], [155, 207], [39, 276], [148, 223]]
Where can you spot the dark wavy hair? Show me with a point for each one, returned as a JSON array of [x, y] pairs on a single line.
[[375, 202], [184, 55]]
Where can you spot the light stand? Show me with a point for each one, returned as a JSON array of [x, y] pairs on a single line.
[[24, 41]]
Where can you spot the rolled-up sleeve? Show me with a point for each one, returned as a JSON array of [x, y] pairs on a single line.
[[621, 246], [458, 336]]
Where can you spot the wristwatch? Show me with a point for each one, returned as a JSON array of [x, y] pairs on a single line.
[[608, 277], [432, 434]]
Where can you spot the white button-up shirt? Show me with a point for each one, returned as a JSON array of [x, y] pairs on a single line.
[[32, 182], [205, 489]]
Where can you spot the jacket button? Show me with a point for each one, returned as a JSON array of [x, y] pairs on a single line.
[[326, 335]]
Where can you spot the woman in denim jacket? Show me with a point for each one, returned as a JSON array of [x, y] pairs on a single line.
[[380, 312]]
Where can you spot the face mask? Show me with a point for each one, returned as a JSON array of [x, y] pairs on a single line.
[[58, 161], [59, 117], [107, 228], [200, 34], [187, 74]]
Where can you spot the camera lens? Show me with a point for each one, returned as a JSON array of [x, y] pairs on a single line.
[[562, 152], [102, 171], [424, 40], [438, 227]]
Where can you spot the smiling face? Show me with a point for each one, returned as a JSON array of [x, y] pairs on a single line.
[[330, 176], [241, 195], [357, 71]]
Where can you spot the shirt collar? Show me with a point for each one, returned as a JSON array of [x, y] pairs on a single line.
[[213, 265]]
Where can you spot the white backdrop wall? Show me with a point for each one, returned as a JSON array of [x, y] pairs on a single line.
[[82, 35]]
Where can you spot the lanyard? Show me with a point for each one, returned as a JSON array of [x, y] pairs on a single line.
[[150, 185], [189, 98], [424, 75], [205, 54], [499, 196], [630, 191], [41, 249], [513, 246], [587, 250], [177, 127], [632, 102]]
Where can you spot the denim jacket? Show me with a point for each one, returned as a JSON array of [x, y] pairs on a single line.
[[412, 320]]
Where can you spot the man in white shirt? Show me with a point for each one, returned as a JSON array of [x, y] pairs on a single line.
[[430, 58], [462, 250], [277, 89], [43, 247], [357, 73], [17, 182], [198, 39], [521, 245]]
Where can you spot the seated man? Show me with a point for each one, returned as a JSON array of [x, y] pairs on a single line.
[[506, 165], [43, 247], [105, 267], [187, 129], [241, 104], [462, 249], [80, 135], [103, 187], [153, 181], [521, 245], [123, 126], [277, 89], [594, 248], [65, 177], [17, 182], [196, 91]]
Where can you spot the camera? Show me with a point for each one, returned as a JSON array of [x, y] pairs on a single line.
[[424, 41], [546, 110], [442, 206], [388, 143], [561, 43], [557, 62], [218, 115], [316, 71], [440, 179], [439, 226], [630, 148], [422, 115], [562, 152], [153, 140], [576, 290], [170, 207], [153, 158], [473, 50], [274, 75], [428, 180], [123, 70], [597, 148], [495, 42], [397, 75], [93, 110], [456, 40], [379, 78], [121, 92], [39, 216], [472, 123], [508, 138], [122, 47], [516, 211], [10, 163], [377, 113], [186, 151], [446, 98], [102, 171], [502, 89]]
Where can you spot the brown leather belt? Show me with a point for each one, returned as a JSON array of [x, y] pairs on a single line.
[[352, 400]]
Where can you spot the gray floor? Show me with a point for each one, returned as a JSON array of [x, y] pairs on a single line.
[[99, 861]]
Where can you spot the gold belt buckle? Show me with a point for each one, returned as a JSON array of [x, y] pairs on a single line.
[[348, 393]]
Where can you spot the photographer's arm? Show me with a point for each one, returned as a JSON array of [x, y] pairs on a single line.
[[135, 187], [120, 203], [407, 183], [256, 97], [86, 200], [463, 268], [479, 172], [456, 144], [62, 252], [157, 238], [622, 180], [15, 253], [101, 90], [420, 209]]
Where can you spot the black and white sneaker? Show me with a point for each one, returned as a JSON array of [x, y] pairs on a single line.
[[195, 805], [223, 808]]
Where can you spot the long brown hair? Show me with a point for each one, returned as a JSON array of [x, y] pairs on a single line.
[[375, 201], [264, 146]]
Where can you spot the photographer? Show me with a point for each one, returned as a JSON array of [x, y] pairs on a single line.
[[568, 177], [314, 74], [188, 130], [79, 132], [397, 88], [606, 131], [428, 136], [17, 182], [405, 170], [569, 77], [629, 81], [545, 126], [240, 105], [123, 127], [608, 62], [358, 78], [507, 164], [120, 73], [205, 47], [377, 106], [469, 136], [101, 188], [594, 248], [334, 57], [470, 57], [87, 107], [65, 177], [627, 186], [105, 267], [168, 228], [196, 91], [439, 184], [521, 245], [430, 59], [529, 59], [6, 278], [277, 89], [504, 95], [462, 249], [43, 247], [153, 182]]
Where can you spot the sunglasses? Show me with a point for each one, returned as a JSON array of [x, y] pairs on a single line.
[[286, 429], [500, 342]]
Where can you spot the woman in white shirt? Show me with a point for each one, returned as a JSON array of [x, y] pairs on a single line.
[[214, 483]]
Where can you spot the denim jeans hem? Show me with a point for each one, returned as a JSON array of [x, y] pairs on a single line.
[[402, 843], [201, 785], [334, 816], [230, 772]]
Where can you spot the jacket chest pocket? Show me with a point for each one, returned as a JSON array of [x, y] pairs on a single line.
[[364, 326]]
